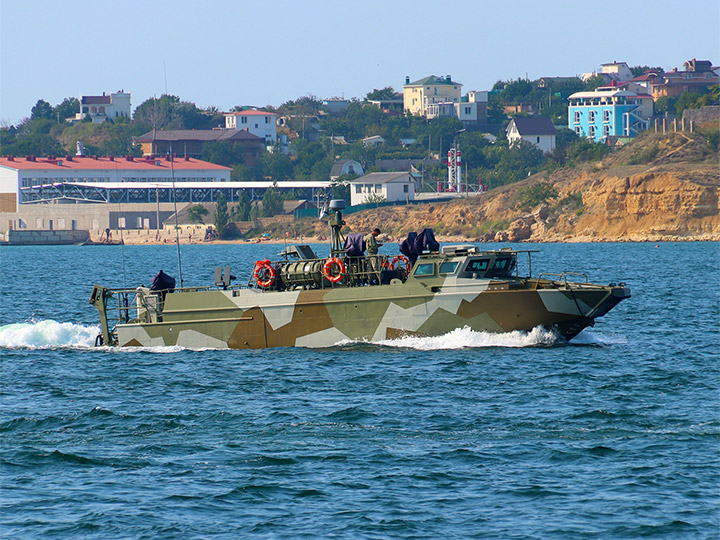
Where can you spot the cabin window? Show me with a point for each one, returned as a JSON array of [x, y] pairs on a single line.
[[448, 267], [478, 265], [425, 269], [502, 267]]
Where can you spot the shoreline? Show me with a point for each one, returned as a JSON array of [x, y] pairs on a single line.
[[441, 239]]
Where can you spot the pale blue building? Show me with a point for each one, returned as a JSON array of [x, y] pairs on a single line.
[[609, 111]]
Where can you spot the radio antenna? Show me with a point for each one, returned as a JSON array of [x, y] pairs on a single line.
[[177, 229]]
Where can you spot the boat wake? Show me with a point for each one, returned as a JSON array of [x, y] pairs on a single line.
[[466, 338], [47, 335]]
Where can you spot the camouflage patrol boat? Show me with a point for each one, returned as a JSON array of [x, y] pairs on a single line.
[[308, 301]]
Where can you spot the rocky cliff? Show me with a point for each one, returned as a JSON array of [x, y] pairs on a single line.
[[660, 187]]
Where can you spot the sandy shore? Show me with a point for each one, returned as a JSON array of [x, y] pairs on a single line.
[[197, 235]]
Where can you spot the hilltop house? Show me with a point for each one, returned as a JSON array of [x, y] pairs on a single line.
[[539, 132], [263, 124], [336, 105], [375, 140], [101, 108], [425, 97], [612, 71], [697, 76], [345, 166], [190, 142], [393, 186], [609, 111]]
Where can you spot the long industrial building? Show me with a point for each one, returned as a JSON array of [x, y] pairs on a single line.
[[94, 193]]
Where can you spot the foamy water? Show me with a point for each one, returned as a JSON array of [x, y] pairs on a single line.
[[47, 334], [50, 334], [465, 337]]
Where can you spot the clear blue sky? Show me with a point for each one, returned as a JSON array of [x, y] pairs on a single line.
[[235, 52]]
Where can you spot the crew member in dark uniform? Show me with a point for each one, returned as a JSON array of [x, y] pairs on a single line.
[[372, 246]]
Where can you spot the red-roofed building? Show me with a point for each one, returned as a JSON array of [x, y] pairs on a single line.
[[29, 179], [260, 123]]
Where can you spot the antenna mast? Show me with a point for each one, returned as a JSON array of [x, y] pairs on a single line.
[[177, 229]]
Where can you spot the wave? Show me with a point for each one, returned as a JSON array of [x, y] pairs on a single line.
[[593, 337], [467, 338], [47, 334]]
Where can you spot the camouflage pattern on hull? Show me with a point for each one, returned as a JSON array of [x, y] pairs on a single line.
[[250, 318]]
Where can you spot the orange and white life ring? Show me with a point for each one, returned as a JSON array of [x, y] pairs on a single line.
[[398, 260], [264, 274], [334, 269]]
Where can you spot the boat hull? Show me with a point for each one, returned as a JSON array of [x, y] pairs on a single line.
[[251, 318]]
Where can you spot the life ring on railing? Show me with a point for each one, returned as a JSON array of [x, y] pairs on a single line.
[[397, 260], [264, 274], [334, 269]]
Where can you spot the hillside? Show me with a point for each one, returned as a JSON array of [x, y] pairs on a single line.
[[660, 187]]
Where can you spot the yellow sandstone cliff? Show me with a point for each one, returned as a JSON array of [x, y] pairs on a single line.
[[660, 187]]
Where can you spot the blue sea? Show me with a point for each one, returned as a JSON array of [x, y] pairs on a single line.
[[470, 435]]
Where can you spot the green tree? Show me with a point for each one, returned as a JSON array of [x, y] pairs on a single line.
[[254, 212], [169, 112], [303, 106], [222, 152], [196, 213], [665, 104], [241, 210], [537, 194], [221, 220], [594, 82], [307, 154], [275, 165], [640, 70], [272, 203], [42, 109], [383, 93], [243, 173], [35, 144], [67, 108]]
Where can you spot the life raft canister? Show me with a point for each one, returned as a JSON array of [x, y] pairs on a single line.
[[264, 274], [334, 269]]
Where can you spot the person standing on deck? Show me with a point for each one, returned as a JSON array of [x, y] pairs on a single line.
[[372, 246]]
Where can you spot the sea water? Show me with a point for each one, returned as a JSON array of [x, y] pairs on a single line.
[[467, 435]]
